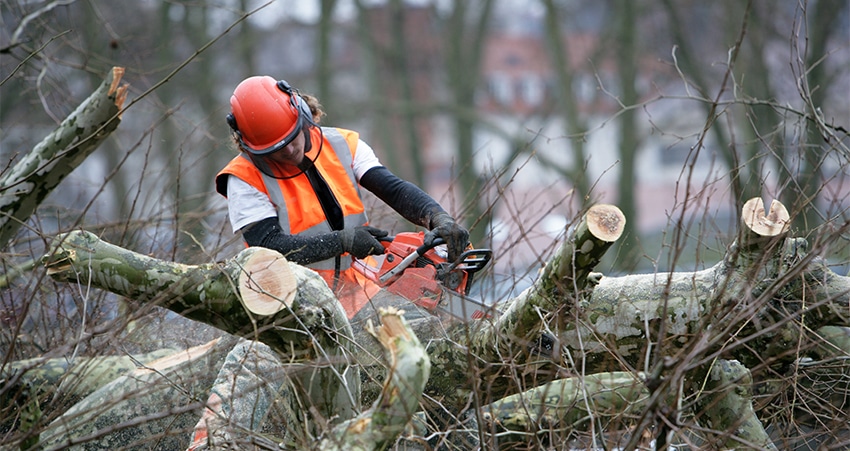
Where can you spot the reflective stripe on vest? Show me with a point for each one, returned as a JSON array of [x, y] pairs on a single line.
[[343, 153]]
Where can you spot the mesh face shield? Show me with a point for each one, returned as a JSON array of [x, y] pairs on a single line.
[[282, 171]]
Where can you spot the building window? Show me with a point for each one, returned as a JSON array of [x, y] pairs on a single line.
[[531, 90], [500, 89]]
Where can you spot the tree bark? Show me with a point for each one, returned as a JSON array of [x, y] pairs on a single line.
[[673, 325], [153, 407], [561, 407], [74, 379], [256, 295], [408, 369], [726, 407], [30, 181]]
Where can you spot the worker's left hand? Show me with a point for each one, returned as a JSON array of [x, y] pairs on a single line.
[[455, 236]]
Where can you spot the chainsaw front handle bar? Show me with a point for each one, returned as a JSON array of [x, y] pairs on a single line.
[[423, 248]]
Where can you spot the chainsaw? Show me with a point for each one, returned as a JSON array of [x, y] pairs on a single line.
[[422, 274]]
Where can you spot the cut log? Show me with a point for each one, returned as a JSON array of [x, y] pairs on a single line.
[[266, 284], [211, 293]]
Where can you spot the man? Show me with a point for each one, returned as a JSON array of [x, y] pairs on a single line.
[[295, 188]]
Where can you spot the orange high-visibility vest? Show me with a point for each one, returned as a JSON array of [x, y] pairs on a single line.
[[300, 212]]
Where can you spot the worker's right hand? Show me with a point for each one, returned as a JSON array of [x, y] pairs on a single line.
[[362, 241]]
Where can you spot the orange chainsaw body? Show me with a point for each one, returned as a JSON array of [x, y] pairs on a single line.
[[424, 275]]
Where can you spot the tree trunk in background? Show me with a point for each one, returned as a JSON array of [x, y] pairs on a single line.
[[687, 59], [398, 72], [406, 76], [91, 32], [574, 125], [628, 251], [324, 57], [45, 166], [464, 42], [198, 162], [375, 99], [821, 24], [759, 126]]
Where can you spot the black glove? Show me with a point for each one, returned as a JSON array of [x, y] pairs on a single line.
[[361, 241], [455, 236]]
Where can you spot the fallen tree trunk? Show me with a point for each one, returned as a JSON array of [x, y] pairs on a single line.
[[75, 379], [256, 295], [42, 169], [151, 407], [673, 326]]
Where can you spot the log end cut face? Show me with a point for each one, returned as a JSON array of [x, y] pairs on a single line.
[[266, 283], [606, 222], [774, 222]]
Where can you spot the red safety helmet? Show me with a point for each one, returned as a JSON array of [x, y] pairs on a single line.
[[266, 114]]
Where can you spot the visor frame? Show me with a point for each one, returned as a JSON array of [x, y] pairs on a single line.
[[299, 124]]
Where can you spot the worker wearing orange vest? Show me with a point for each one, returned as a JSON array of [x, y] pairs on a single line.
[[295, 188]]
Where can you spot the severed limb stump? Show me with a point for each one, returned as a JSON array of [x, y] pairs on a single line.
[[33, 177], [564, 277], [408, 369]]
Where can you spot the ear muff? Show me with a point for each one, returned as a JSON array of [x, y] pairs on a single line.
[[296, 101], [231, 121]]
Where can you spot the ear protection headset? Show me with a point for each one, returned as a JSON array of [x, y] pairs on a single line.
[[297, 103]]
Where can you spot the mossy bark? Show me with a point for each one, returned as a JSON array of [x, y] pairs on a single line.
[[26, 184], [570, 323]]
